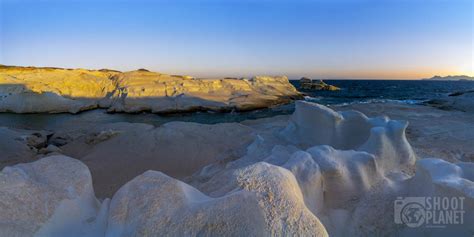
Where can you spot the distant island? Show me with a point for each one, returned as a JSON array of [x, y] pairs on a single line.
[[451, 78]]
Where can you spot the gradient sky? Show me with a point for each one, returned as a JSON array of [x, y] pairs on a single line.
[[321, 39]]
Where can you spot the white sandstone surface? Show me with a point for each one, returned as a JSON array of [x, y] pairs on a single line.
[[49, 197], [432, 132], [461, 101], [350, 130], [178, 149], [264, 194], [318, 173]]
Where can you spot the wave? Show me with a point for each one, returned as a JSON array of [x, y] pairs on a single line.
[[310, 98], [371, 101], [366, 101]]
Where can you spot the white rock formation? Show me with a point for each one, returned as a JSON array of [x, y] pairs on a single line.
[[266, 202], [54, 90], [155, 92], [434, 179], [346, 175], [178, 149], [49, 197], [314, 124], [462, 101], [153, 204], [350, 191], [439, 178], [336, 173]]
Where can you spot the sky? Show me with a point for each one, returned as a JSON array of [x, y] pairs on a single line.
[[370, 39]]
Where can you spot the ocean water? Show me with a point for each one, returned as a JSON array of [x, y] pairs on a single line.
[[399, 91], [352, 91]]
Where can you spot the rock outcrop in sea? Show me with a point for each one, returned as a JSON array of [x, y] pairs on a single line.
[[310, 84], [320, 173], [55, 90]]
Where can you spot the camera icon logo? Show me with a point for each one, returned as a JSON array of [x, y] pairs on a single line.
[[410, 211]]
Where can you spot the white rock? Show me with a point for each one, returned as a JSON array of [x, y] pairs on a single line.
[[439, 177], [462, 101], [178, 149], [281, 200], [49, 197], [154, 204], [324, 172], [313, 124], [267, 202], [310, 179], [436, 178], [346, 175], [333, 182]]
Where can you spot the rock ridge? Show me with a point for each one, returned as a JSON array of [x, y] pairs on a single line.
[[57, 90]]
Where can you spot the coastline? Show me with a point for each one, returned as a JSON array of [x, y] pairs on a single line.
[[53, 90], [236, 118], [262, 165]]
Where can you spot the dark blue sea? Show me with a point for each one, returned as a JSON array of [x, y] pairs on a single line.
[[400, 91], [352, 91]]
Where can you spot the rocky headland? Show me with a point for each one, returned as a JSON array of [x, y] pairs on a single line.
[[310, 84], [57, 90]]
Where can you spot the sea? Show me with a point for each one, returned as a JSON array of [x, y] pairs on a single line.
[[352, 91], [381, 91]]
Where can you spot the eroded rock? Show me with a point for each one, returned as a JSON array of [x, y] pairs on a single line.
[[54, 90], [49, 197], [331, 173]]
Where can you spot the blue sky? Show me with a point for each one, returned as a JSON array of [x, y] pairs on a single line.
[[320, 38]]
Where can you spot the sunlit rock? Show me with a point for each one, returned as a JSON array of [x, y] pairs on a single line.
[[161, 93], [55, 90], [48, 90]]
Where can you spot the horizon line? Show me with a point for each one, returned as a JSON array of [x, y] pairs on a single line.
[[292, 78]]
